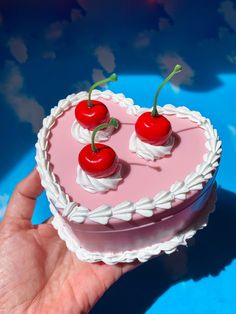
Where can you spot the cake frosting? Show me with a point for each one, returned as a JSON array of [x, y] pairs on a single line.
[[148, 151], [83, 135], [98, 185], [142, 254], [154, 201]]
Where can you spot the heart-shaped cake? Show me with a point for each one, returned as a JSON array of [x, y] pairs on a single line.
[[158, 203]]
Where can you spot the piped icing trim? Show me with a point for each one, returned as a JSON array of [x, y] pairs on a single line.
[[98, 185], [148, 151], [83, 135], [163, 199], [142, 254]]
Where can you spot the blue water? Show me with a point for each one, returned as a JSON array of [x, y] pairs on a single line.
[[209, 293], [49, 50]]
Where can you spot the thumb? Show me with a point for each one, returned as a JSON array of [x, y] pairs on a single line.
[[22, 202]]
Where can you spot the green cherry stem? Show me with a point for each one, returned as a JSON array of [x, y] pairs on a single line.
[[178, 68], [111, 78], [113, 122]]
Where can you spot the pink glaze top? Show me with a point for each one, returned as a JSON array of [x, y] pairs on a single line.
[[141, 178]]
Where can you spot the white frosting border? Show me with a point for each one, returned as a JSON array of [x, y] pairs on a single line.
[[143, 254], [125, 210]]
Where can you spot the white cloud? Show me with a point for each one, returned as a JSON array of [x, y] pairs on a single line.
[[232, 129], [75, 15], [232, 58], [229, 12], [26, 107], [223, 32], [18, 49], [55, 30], [49, 55], [167, 63], [82, 85], [175, 88], [98, 75], [3, 204], [143, 40], [171, 7], [106, 58]]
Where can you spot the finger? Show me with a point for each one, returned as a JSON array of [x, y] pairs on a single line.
[[48, 221], [22, 202], [126, 267]]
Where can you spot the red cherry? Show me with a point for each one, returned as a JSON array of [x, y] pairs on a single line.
[[100, 164], [152, 127], [91, 116], [154, 130]]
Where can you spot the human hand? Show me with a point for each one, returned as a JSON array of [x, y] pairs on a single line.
[[37, 272]]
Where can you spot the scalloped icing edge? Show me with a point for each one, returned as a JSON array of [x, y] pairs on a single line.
[[142, 255], [163, 199]]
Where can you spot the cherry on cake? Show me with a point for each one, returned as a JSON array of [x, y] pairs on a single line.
[[89, 114]]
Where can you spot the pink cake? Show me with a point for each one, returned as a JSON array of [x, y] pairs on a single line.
[[157, 206]]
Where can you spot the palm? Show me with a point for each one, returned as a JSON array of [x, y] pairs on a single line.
[[39, 274]]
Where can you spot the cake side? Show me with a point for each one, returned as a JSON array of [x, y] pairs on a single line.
[[136, 236], [67, 234]]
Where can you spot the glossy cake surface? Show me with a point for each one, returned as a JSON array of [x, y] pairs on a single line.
[[141, 178]]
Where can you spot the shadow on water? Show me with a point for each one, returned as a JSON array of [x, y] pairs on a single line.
[[208, 253]]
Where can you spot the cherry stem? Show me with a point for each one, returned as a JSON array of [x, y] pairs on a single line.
[[113, 122], [178, 68], [112, 78]]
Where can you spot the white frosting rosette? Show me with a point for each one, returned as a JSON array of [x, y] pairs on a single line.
[[150, 152], [98, 185], [83, 135]]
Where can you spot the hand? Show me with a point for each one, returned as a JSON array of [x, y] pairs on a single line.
[[37, 272]]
